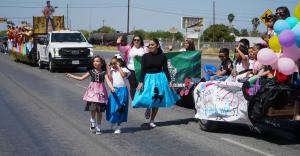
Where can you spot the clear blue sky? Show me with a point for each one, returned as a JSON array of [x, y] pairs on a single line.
[[150, 15]]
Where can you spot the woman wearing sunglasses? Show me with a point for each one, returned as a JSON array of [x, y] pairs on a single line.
[[136, 48], [282, 13]]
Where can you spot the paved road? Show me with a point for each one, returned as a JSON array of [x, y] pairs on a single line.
[[41, 113]]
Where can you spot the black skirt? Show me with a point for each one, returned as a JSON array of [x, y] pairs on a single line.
[[95, 106]]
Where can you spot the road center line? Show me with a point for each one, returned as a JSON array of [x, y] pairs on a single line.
[[80, 85], [246, 146]]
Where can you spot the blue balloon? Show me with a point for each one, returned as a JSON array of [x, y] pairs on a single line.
[[292, 21], [280, 26], [296, 30]]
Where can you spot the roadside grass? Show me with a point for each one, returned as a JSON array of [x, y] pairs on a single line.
[[105, 48]]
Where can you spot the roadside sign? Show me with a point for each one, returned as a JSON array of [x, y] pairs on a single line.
[[190, 22], [173, 30], [2, 20], [265, 15]]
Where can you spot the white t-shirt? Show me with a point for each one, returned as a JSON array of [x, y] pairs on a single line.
[[251, 64], [118, 81], [132, 53]]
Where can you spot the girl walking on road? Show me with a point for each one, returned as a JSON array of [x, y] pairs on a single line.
[[96, 94], [117, 106], [154, 89], [136, 48]]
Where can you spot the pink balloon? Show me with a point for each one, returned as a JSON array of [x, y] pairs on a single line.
[[286, 66], [266, 56], [292, 52], [275, 65]]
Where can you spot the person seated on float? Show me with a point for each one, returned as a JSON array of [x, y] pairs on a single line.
[[226, 66], [241, 62], [254, 65]]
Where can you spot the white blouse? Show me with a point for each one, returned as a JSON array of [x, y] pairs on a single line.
[[132, 53], [118, 80]]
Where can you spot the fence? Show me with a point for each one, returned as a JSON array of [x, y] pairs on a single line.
[[202, 45]]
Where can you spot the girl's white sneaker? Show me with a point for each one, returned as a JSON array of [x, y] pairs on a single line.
[[98, 130], [152, 125], [117, 131]]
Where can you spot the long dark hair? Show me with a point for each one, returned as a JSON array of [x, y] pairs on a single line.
[[286, 12], [141, 42], [191, 45], [122, 63], [156, 41], [102, 60]]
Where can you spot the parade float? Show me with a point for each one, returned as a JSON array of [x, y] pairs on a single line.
[[258, 101], [23, 39]]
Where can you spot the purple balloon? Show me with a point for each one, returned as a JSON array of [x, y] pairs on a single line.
[[287, 38], [292, 52]]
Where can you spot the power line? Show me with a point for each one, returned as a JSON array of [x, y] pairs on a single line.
[[78, 7]]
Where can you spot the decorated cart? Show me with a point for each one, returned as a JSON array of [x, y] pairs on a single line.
[[258, 100]]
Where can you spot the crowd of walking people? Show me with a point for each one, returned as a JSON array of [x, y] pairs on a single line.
[[155, 89]]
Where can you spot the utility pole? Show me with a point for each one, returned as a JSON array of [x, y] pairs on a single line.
[[102, 23], [214, 19], [70, 26], [90, 25], [214, 13], [67, 16], [128, 16]]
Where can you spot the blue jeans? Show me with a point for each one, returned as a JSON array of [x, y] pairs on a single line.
[[47, 22]]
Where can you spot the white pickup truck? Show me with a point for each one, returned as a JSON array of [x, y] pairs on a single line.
[[63, 49]]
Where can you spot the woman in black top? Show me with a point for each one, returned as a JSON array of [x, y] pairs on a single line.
[[154, 89]]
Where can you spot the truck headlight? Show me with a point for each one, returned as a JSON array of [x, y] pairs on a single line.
[[56, 52], [91, 52]]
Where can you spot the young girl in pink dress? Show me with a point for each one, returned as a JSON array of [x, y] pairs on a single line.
[[96, 94]]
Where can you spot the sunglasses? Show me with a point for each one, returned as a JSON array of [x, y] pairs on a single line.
[[279, 13], [136, 40], [221, 56]]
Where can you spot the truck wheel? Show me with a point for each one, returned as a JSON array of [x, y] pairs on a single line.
[[51, 65], [207, 125], [40, 63]]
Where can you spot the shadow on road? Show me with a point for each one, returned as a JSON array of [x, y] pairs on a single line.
[[145, 126], [269, 134], [176, 122]]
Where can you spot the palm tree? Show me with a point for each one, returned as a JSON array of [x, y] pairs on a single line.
[[230, 18], [255, 23]]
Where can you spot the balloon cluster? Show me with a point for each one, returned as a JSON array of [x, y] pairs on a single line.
[[286, 41]]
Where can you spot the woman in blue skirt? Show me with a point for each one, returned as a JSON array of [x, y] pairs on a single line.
[[154, 90]]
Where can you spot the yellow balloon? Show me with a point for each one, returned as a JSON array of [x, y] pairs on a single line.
[[297, 11], [274, 44]]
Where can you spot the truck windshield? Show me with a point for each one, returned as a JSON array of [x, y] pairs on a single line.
[[67, 37]]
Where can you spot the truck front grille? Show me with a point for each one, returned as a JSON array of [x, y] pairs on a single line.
[[74, 52]]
